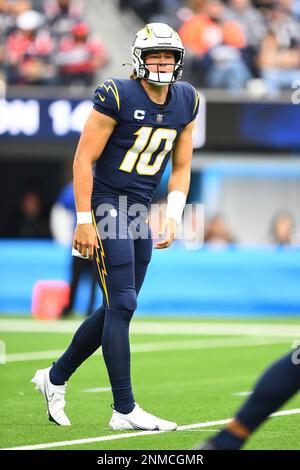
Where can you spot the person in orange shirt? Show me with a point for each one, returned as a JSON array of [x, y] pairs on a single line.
[[215, 44], [209, 28]]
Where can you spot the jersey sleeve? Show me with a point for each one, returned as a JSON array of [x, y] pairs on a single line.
[[107, 99], [195, 104]]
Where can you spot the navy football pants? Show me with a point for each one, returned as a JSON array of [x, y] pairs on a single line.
[[120, 265], [121, 261]]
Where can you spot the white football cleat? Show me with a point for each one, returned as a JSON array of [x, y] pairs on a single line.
[[54, 396], [139, 419]]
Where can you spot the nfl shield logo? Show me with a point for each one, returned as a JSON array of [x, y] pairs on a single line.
[[159, 117]]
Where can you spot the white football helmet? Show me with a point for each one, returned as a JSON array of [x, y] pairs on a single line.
[[157, 37]]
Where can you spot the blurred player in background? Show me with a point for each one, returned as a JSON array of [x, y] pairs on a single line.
[[275, 387], [134, 127]]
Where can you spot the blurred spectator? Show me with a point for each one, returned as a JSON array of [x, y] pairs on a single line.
[[62, 224], [30, 221], [62, 15], [15, 7], [9, 10], [227, 42], [253, 24], [250, 19], [143, 8], [217, 232], [279, 56], [208, 28], [282, 229], [217, 42], [79, 57], [48, 44], [172, 12], [296, 8], [28, 51]]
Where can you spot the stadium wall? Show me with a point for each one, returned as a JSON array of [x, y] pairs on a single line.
[[231, 281]]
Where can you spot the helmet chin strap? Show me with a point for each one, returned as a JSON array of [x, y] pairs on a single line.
[[160, 78], [158, 84], [154, 78]]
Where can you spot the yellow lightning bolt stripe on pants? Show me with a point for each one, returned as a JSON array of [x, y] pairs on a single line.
[[99, 257]]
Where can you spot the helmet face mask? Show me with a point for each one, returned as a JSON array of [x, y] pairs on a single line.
[[157, 37]]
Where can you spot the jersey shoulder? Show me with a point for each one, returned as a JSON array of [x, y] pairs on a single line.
[[108, 97], [189, 97]]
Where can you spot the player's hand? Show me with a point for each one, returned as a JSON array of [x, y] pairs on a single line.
[[169, 228], [85, 240]]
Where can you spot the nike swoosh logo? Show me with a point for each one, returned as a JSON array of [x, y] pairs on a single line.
[[101, 98], [141, 428], [48, 396]]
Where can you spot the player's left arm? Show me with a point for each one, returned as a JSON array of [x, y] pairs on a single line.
[[179, 179], [181, 161]]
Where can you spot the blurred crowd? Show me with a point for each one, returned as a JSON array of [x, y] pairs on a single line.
[[237, 44], [233, 44], [282, 231], [33, 220], [215, 231], [46, 42]]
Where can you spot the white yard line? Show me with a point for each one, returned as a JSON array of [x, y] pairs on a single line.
[[161, 328], [96, 390], [242, 394], [159, 346], [33, 356], [133, 434]]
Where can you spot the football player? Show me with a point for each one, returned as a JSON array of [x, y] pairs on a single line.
[[275, 387], [134, 127]]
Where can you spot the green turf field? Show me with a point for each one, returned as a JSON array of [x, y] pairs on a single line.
[[189, 371]]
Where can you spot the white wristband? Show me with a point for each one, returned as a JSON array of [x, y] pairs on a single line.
[[84, 218], [175, 206]]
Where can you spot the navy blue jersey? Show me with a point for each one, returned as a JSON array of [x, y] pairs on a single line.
[[138, 150]]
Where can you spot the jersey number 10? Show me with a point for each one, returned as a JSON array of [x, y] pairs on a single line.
[[145, 145]]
